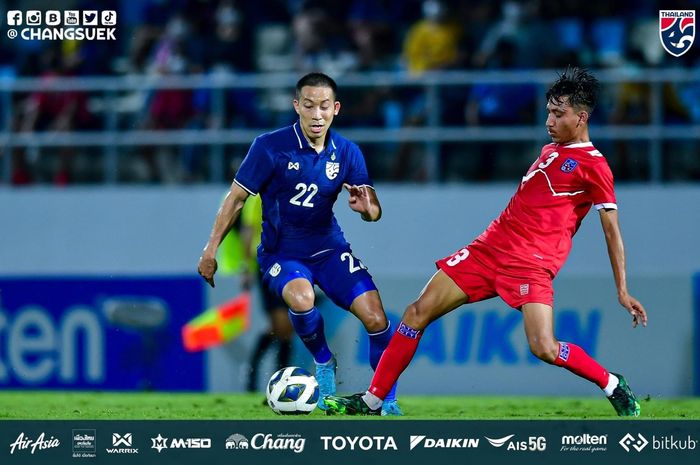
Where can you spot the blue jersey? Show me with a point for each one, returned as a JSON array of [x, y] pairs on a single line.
[[299, 187]]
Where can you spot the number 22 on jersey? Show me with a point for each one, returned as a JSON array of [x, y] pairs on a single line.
[[309, 191]]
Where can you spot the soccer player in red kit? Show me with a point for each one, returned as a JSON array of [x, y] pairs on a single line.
[[520, 253]]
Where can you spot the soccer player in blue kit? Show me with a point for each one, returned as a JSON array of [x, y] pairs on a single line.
[[299, 171]]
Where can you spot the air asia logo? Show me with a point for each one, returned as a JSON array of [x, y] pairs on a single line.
[[584, 443], [638, 443], [41, 443], [359, 443], [84, 443], [677, 30], [160, 443], [126, 441], [440, 443], [533, 443]]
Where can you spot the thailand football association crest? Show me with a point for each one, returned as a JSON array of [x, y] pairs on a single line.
[[677, 30], [332, 169], [569, 165]]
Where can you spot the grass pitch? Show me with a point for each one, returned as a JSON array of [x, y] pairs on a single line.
[[71, 405]]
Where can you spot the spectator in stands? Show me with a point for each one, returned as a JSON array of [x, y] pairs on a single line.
[[168, 108], [61, 111], [433, 42], [500, 105], [320, 41]]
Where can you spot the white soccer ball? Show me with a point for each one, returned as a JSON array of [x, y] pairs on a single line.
[[292, 391]]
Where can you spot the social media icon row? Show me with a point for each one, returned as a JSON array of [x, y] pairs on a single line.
[[57, 18]]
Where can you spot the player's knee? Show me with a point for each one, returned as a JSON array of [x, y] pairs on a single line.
[[416, 316], [544, 349], [299, 299], [375, 321]]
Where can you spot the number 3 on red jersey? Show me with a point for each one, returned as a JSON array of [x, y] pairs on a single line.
[[458, 257]]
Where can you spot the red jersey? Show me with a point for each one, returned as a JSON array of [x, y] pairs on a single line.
[[537, 226]]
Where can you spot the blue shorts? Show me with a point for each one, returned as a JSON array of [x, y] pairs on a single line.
[[339, 274]]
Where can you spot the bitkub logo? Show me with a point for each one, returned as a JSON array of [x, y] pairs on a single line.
[[677, 30], [639, 443]]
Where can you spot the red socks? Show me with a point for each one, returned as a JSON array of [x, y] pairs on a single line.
[[395, 359], [577, 361]]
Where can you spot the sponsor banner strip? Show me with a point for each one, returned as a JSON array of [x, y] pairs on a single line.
[[310, 442]]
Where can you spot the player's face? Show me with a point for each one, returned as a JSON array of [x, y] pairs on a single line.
[[564, 124], [316, 108]]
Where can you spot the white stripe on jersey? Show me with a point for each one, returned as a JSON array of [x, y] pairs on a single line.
[[294, 126], [554, 193], [245, 188], [611, 206]]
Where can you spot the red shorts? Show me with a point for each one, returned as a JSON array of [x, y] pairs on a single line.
[[482, 275]]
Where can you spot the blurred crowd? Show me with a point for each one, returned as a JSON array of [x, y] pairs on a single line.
[[179, 37]]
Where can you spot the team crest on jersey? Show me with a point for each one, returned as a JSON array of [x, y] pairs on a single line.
[[569, 165], [332, 169], [677, 30]]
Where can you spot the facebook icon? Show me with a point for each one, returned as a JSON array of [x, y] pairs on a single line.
[[14, 18]]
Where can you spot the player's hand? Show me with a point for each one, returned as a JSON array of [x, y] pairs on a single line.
[[207, 267], [359, 198], [636, 309]]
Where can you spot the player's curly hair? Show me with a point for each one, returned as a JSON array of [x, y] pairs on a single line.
[[316, 80], [579, 85]]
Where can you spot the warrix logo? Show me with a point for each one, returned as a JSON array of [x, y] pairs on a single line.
[[442, 443]]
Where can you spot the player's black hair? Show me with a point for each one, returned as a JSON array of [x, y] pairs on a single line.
[[316, 80], [579, 85]]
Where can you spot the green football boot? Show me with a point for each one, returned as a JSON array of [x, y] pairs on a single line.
[[349, 405], [623, 399]]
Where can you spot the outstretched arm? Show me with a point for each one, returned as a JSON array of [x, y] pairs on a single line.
[[616, 251], [225, 218], [363, 199]]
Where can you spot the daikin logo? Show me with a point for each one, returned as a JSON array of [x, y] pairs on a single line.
[[442, 443]]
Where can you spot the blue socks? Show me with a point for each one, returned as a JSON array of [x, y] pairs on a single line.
[[377, 343], [309, 327]]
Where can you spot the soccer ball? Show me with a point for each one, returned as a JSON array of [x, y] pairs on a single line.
[[292, 391]]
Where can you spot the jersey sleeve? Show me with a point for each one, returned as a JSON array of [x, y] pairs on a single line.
[[357, 173], [600, 183], [257, 168]]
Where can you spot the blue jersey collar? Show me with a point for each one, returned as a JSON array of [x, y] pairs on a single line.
[[300, 137]]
